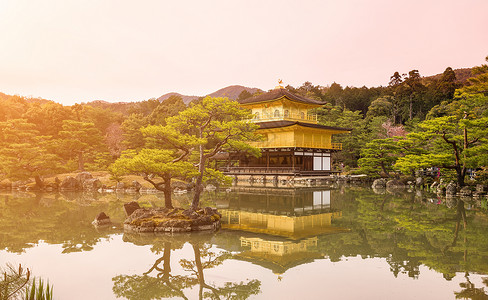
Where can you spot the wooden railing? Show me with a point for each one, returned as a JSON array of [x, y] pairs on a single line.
[[294, 144], [260, 170], [306, 118]]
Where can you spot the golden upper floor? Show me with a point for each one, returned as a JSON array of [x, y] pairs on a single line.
[[287, 120], [279, 104], [283, 113], [289, 134]]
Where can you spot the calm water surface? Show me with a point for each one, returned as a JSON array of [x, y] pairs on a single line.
[[276, 243]]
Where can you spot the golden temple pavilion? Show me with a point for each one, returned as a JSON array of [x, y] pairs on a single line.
[[293, 142]]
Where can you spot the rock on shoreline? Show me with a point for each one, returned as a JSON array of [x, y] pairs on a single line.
[[101, 219]]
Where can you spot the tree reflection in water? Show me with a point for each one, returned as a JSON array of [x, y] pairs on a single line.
[[408, 230], [159, 282], [469, 290], [27, 218], [410, 233]]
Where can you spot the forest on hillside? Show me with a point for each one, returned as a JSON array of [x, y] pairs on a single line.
[[413, 123]]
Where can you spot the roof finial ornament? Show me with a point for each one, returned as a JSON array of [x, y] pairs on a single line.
[[280, 82]]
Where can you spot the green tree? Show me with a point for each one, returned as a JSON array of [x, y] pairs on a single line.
[[100, 117], [114, 138], [382, 106], [132, 134], [244, 95], [378, 156], [395, 82], [79, 140], [359, 99], [351, 143], [12, 107], [447, 84], [451, 143], [479, 83], [133, 137], [334, 94], [24, 153], [395, 79], [307, 89], [169, 107], [145, 107], [411, 91], [157, 166], [48, 117], [208, 127], [440, 89], [457, 140]]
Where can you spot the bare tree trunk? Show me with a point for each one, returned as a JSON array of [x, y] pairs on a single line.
[[81, 163], [167, 260], [199, 182], [384, 169], [410, 112], [39, 182], [168, 203], [465, 148], [200, 275], [198, 264], [461, 174], [164, 186]]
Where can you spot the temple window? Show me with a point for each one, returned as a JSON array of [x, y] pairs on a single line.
[[277, 113], [287, 113], [302, 115], [256, 115]]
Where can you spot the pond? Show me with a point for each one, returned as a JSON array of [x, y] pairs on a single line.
[[275, 243]]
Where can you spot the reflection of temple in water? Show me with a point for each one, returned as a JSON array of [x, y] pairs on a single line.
[[294, 227], [280, 201], [280, 227], [279, 255]]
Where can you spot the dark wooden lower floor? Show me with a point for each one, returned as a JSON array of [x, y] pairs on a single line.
[[296, 171], [279, 161]]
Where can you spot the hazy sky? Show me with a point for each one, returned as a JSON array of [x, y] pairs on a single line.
[[74, 51]]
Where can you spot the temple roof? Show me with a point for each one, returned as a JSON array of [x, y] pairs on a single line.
[[285, 123], [276, 263], [278, 93]]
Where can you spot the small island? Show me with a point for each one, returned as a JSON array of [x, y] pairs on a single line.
[[165, 220]]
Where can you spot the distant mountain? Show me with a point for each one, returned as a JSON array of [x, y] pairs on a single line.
[[462, 75], [231, 92], [186, 99]]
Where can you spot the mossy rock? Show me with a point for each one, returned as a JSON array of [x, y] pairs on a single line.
[[172, 220]]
